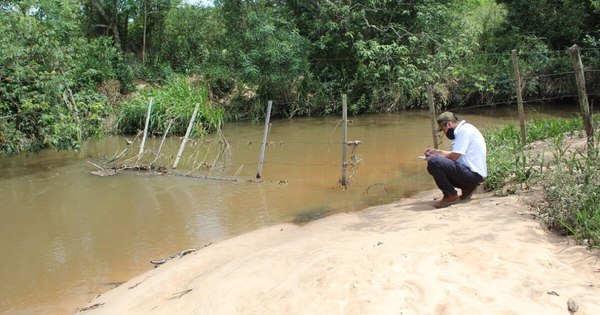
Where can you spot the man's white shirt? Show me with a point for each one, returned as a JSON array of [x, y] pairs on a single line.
[[470, 144]]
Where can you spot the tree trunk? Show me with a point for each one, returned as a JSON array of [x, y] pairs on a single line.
[[112, 23], [144, 37]]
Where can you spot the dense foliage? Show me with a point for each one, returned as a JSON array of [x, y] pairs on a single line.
[[69, 69]]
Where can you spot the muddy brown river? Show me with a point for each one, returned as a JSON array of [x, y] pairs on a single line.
[[67, 235]]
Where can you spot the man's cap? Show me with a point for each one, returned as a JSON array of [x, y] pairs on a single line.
[[445, 116]]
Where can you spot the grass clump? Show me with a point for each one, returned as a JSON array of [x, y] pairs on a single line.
[[505, 159], [174, 101], [570, 179], [572, 193]]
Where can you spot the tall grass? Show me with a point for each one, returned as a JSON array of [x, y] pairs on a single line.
[[175, 100], [570, 179], [506, 158], [572, 193]]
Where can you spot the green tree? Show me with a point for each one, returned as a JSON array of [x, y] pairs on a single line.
[[267, 56], [192, 37], [382, 53], [147, 28], [558, 23], [49, 75]]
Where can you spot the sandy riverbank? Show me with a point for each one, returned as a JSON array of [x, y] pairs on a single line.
[[487, 256]]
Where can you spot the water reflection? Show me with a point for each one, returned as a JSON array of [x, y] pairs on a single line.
[[65, 233]]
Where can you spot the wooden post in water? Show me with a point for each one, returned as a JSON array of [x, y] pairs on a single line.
[[187, 134], [583, 100], [519, 89], [433, 118], [264, 140], [145, 129], [343, 181]]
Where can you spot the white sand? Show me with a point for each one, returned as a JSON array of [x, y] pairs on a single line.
[[486, 256]]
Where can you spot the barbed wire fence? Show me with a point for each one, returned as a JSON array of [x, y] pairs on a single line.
[[348, 167]]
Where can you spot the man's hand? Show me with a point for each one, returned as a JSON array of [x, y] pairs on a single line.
[[447, 154], [431, 151]]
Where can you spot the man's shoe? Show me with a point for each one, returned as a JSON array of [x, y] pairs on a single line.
[[446, 201], [467, 193]]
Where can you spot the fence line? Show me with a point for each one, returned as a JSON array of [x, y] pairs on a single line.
[[514, 102], [528, 76], [330, 166], [554, 74], [344, 142], [507, 54], [520, 101]]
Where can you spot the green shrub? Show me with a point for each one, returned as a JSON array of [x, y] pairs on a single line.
[[13, 141]]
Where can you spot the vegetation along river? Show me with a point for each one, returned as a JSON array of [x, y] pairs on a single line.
[[67, 235]]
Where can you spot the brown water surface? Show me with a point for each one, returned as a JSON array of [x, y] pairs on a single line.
[[67, 235]]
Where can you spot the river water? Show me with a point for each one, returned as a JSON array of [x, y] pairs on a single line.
[[67, 235]]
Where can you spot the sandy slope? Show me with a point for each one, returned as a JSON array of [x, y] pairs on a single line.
[[487, 256]]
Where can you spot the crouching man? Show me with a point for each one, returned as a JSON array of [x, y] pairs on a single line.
[[464, 167]]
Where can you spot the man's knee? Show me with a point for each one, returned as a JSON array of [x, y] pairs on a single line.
[[434, 163], [435, 160]]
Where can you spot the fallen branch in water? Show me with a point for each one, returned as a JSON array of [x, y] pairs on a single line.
[[116, 157], [96, 165], [115, 170], [162, 142], [156, 170]]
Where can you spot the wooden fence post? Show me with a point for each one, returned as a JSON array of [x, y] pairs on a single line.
[[519, 89], [145, 130], [433, 118], [264, 140], [583, 100], [343, 181], [187, 134]]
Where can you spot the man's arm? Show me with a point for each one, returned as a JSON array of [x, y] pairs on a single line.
[[447, 154]]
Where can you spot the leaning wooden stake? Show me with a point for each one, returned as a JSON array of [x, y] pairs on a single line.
[[162, 141], [343, 181], [583, 100], [145, 130], [433, 118], [264, 140], [519, 89], [187, 134]]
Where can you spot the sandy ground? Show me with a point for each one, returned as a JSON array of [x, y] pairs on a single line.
[[486, 256]]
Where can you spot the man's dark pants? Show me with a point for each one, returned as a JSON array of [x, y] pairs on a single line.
[[449, 174]]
